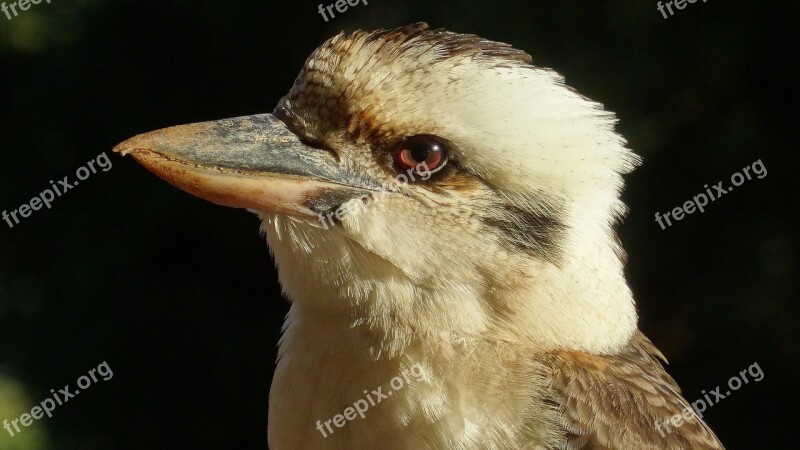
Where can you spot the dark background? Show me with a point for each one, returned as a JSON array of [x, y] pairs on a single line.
[[180, 296]]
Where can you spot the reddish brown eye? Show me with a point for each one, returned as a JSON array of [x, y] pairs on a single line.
[[422, 153]]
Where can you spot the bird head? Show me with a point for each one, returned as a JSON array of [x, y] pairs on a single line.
[[417, 182]]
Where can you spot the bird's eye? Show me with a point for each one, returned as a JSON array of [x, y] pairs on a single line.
[[422, 153]]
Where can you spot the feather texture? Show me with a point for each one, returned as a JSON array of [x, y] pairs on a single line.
[[615, 401]]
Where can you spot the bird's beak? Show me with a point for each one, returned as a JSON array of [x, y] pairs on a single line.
[[252, 162]]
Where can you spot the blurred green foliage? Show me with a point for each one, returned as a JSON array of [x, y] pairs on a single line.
[[14, 403]]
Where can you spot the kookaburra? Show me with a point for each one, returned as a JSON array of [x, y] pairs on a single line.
[[499, 273]]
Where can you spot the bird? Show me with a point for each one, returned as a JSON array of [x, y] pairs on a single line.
[[436, 203]]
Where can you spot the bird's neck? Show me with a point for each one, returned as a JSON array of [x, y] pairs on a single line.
[[583, 303]]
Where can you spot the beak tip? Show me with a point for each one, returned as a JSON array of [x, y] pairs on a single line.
[[127, 147]]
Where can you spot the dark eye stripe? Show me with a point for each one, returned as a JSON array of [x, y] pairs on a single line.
[[540, 233]]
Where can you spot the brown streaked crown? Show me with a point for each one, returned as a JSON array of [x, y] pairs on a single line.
[[328, 92]]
